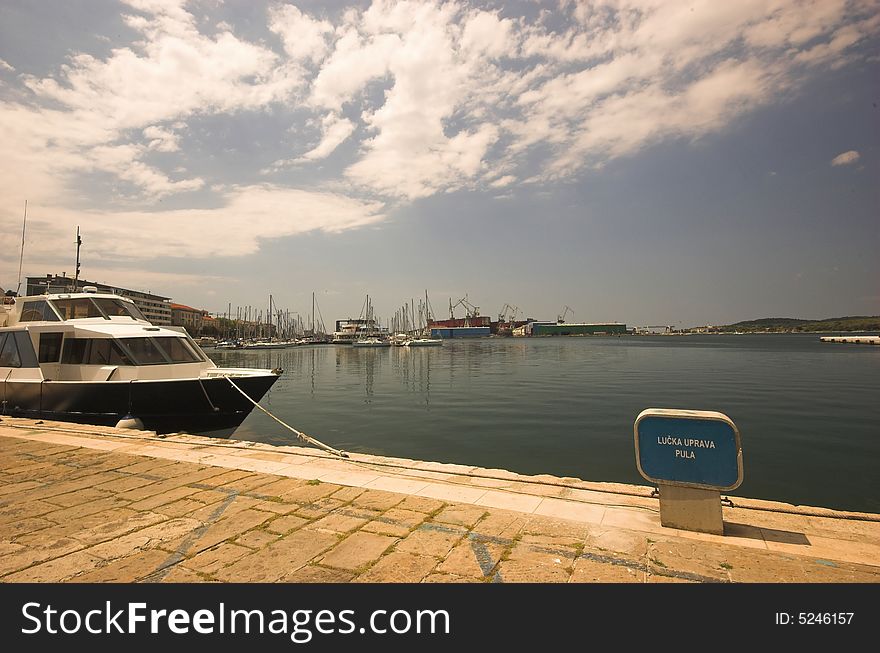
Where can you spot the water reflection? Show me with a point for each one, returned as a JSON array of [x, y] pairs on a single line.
[[566, 405]]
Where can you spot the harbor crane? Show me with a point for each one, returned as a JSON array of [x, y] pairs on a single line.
[[566, 310], [471, 310], [504, 316]]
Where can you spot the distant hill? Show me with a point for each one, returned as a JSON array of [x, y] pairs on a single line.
[[852, 323]]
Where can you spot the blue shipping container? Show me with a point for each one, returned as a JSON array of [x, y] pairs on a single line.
[[461, 332]]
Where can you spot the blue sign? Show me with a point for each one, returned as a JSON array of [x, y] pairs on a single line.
[[689, 448]]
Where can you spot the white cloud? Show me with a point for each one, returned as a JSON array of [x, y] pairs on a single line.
[[161, 140], [5, 66], [501, 182], [441, 96], [846, 158], [304, 37], [335, 130], [246, 216]]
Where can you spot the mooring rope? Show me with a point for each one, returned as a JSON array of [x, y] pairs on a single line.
[[302, 436]]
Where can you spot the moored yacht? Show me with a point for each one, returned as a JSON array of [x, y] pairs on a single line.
[[95, 359]]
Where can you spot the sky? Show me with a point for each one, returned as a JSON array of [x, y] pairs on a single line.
[[641, 161]]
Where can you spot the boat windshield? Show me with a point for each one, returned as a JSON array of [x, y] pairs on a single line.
[[119, 308], [163, 350], [160, 351], [37, 311], [84, 307]]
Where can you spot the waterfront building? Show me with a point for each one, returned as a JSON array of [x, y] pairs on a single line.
[[192, 319], [156, 308], [574, 329]]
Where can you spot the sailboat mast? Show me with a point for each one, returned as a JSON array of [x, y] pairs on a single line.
[[79, 243], [21, 257]]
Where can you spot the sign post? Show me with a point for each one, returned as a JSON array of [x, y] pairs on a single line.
[[692, 456]]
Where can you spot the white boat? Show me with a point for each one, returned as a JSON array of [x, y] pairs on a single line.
[[93, 358], [267, 345], [423, 342], [371, 342]]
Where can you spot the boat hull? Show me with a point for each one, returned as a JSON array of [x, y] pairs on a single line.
[[209, 406]]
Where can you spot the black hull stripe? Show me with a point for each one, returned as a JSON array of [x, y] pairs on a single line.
[[162, 406]]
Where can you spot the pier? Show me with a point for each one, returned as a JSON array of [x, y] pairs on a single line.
[[93, 504], [856, 340]]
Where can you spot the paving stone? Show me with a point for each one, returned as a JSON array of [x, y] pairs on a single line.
[[518, 571], [658, 578], [619, 540], [591, 571], [31, 555], [180, 508], [28, 525], [460, 514], [76, 513], [228, 526], [309, 494], [125, 483], [208, 497], [397, 522], [146, 467], [121, 525], [555, 531], [279, 559], [56, 570], [689, 556], [319, 508], [343, 520], [377, 499], [225, 476], [19, 511], [316, 574], [399, 567], [145, 538], [449, 578], [348, 493], [77, 497], [473, 557], [170, 496], [129, 569], [358, 550], [215, 558], [278, 486], [431, 540], [250, 484], [180, 574], [421, 504], [7, 548], [256, 539], [286, 524], [531, 563], [501, 524]]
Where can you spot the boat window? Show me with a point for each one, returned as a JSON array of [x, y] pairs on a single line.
[[38, 311], [50, 347], [177, 350], [144, 351], [9, 356], [93, 351], [77, 309], [118, 308]]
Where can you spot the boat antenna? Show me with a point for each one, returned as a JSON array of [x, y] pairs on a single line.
[[21, 257], [79, 243]]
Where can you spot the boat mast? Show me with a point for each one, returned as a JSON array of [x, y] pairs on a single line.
[[21, 257], [79, 243]]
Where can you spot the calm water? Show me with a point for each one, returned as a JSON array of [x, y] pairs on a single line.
[[808, 412]]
